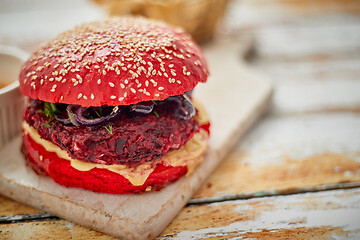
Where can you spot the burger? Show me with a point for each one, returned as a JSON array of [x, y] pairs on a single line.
[[110, 106]]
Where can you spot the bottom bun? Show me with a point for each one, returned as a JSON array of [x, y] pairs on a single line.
[[47, 159]]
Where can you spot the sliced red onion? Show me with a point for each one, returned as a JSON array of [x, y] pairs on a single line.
[[142, 107], [189, 93], [70, 110], [64, 119], [183, 107], [82, 120], [186, 110]]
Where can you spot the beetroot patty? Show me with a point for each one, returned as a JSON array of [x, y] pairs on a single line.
[[131, 140]]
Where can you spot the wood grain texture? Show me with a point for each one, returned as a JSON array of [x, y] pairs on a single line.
[[10, 207], [49, 230], [332, 214], [288, 154]]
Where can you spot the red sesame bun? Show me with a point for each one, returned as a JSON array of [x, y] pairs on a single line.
[[119, 61], [110, 108]]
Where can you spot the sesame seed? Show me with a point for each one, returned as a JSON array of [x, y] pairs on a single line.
[[92, 96], [79, 96], [121, 99], [157, 95], [85, 97], [153, 82], [113, 97], [161, 88], [106, 40]]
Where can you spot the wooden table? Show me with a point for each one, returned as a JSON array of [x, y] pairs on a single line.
[[296, 174]]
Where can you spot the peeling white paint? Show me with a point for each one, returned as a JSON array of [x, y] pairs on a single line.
[[69, 225], [287, 209]]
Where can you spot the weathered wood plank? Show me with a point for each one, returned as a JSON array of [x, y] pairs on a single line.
[[61, 229], [10, 207], [302, 216], [315, 84], [331, 214], [313, 68], [317, 96], [288, 154], [309, 39], [258, 13]]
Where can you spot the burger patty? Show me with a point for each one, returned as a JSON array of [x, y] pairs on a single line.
[[128, 140]]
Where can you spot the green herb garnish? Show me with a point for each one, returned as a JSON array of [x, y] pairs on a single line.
[[70, 114], [99, 114], [49, 110], [156, 114], [154, 102], [47, 125], [109, 129]]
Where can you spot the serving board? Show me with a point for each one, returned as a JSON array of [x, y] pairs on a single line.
[[234, 97]]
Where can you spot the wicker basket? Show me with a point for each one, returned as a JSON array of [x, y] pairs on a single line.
[[197, 17]]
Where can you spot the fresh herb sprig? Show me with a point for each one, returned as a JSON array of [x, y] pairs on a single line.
[[109, 128], [49, 110], [156, 114], [47, 125]]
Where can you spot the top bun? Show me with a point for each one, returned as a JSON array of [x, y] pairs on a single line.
[[119, 61]]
